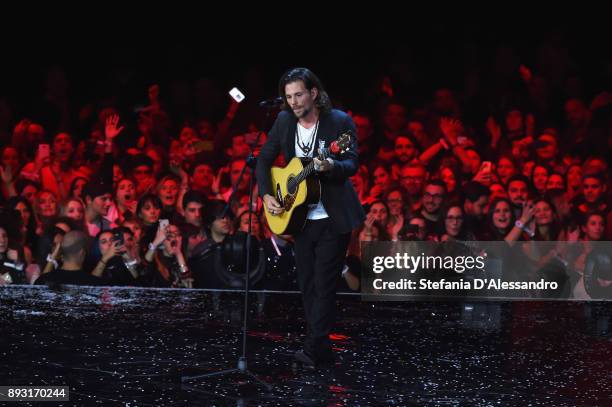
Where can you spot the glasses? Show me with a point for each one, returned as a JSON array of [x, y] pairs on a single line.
[[436, 197]]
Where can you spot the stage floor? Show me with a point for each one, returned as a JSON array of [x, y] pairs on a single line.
[[117, 346]]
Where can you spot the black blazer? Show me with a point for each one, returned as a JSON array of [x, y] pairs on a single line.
[[337, 193]]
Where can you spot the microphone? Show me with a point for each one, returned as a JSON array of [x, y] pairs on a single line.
[[271, 102]]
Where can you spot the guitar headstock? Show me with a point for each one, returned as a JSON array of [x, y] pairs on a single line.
[[342, 143]]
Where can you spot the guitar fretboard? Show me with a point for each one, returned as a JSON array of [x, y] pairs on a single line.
[[307, 171]]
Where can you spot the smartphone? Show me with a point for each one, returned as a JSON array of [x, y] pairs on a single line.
[[236, 95], [118, 237], [163, 223], [44, 151]]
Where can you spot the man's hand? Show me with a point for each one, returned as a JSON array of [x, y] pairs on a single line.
[[216, 185], [323, 165], [272, 205]]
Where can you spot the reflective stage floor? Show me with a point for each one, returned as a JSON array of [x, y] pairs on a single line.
[[115, 346]]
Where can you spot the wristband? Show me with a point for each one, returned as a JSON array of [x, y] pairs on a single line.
[[524, 228], [52, 261]]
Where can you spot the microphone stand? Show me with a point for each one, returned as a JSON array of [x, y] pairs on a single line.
[[242, 360]]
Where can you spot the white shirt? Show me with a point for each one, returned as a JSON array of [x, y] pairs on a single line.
[[306, 136]]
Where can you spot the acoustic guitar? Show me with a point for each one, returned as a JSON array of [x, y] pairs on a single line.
[[295, 188]]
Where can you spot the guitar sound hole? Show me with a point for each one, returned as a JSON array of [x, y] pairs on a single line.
[[292, 187]]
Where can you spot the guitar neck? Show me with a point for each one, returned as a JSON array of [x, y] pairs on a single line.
[[309, 169]]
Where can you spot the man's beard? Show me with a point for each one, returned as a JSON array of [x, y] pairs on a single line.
[[305, 112]]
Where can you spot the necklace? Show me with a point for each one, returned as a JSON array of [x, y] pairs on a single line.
[[306, 147]]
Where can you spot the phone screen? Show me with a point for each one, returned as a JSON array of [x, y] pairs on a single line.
[[236, 95]]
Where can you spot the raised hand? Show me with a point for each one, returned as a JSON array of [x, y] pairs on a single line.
[[528, 212], [484, 175], [216, 185], [110, 129], [160, 236], [494, 129], [451, 128]]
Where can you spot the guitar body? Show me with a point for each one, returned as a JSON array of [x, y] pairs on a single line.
[[295, 201]]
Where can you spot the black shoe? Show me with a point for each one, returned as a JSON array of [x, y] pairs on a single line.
[[308, 360]]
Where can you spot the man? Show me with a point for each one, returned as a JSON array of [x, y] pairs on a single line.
[[518, 193], [142, 172], [98, 200], [365, 129], [306, 123], [431, 204], [547, 150], [405, 152], [202, 178], [74, 250], [593, 197], [193, 204], [218, 226], [235, 169], [474, 207], [412, 178]]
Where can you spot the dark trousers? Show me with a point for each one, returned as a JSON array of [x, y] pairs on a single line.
[[319, 257]]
